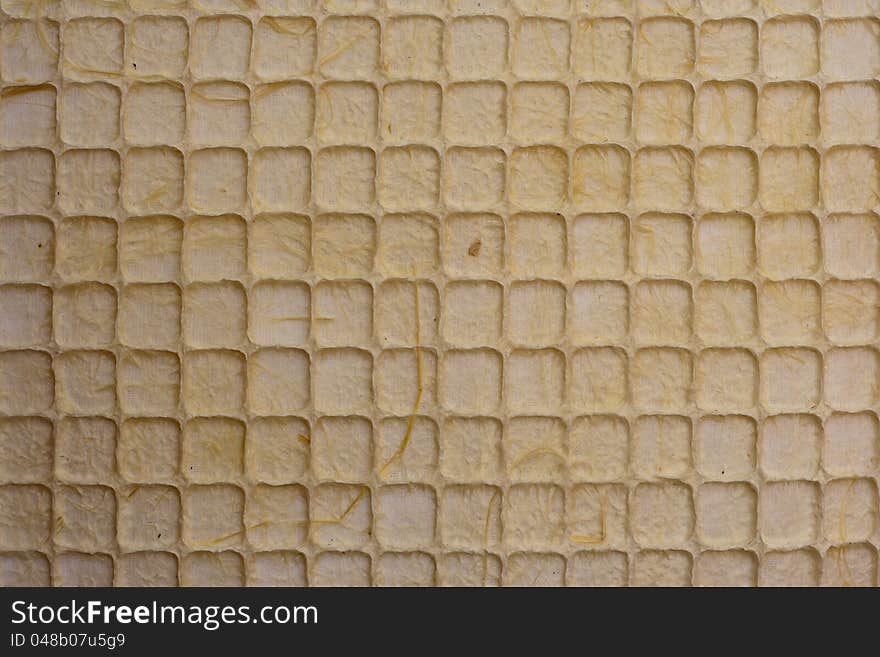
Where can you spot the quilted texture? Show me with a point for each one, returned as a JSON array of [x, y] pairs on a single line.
[[416, 292]]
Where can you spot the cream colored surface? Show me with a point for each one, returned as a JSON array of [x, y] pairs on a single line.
[[415, 292]]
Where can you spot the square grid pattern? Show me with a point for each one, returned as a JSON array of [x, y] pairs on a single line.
[[416, 292]]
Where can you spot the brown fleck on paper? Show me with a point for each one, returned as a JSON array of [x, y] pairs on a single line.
[[417, 292]]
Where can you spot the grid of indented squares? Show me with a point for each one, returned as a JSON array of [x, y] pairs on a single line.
[[425, 292]]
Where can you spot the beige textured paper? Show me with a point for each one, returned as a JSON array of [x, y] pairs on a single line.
[[420, 292]]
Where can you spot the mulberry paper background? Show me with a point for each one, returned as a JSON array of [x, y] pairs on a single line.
[[423, 293]]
